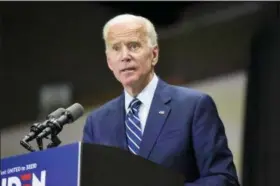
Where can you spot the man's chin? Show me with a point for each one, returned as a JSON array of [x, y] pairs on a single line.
[[129, 82]]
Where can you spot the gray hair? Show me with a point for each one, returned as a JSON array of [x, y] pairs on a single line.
[[151, 32]]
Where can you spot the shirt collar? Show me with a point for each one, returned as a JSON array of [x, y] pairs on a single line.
[[145, 96]]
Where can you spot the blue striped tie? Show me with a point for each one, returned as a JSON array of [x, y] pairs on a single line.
[[133, 126]]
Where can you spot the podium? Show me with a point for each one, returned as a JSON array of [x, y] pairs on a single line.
[[82, 164]]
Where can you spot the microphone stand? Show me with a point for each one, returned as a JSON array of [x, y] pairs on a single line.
[[40, 143], [26, 139], [55, 141], [27, 146], [54, 128]]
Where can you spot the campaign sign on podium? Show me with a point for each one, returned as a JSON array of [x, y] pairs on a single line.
[[43, 168], [83, 164]]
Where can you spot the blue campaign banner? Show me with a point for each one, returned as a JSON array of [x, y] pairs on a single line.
[[51, 167]]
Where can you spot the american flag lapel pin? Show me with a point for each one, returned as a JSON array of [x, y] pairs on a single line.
[[161, 112]]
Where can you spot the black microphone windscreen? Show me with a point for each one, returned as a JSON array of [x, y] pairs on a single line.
[[76, 111]]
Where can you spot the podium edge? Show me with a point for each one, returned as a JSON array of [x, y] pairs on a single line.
[[79, 164]]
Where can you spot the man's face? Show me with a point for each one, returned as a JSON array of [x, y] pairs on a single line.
[[129, 56]]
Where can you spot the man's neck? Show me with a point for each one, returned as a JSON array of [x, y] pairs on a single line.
[[134, 91]]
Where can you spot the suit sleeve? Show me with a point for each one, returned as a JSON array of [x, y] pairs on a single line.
[[213, 157], [88, 131]]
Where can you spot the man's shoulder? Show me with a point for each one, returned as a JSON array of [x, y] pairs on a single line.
[[190, 97], [181, 92]]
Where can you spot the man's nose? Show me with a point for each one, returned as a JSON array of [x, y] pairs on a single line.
[[125, 57]]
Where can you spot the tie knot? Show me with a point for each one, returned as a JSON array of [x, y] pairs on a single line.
[[135, 104]]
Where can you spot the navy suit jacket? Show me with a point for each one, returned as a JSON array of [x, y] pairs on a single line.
[[189, 137]]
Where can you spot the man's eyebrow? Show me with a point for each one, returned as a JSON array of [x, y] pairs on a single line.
[[135, 41], [115, 43], [138, 41]]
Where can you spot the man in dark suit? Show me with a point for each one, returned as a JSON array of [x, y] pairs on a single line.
[[173, 126]]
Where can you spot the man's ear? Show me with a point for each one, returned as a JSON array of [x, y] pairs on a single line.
[[155, 56], [109, 64], [108, 61]]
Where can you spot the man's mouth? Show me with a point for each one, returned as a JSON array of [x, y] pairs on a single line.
[[128, 69]]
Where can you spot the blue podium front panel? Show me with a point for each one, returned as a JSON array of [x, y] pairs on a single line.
[[52, 167]]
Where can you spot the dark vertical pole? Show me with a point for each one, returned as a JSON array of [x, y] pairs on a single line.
[[261, 161]]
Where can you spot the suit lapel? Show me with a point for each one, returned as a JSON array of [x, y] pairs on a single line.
[[115, 124], [159, 112]]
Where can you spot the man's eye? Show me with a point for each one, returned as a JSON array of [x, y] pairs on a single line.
[[116, 48], [134, 46]]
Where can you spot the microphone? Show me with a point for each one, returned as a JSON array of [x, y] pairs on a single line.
[[55, 125], [36, 128]]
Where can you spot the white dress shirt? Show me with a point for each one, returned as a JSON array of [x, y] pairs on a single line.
[[146, 97]]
